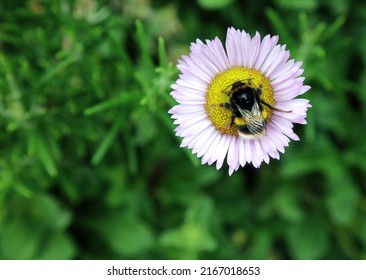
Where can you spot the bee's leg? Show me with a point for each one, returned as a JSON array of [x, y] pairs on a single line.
[[259, 89], [226, 90], [226, 106], [275, 109], [231, 121]]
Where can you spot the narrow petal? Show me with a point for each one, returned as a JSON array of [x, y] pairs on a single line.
[[218, 51], [231, 47], [242, 155], [206, 143], [211, 156], [222, 150], [248, 150], [267, 45], [232, 156], [254, 50]]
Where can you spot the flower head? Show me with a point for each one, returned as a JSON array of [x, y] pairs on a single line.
[[238, 103]]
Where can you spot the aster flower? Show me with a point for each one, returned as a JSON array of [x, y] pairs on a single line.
[[208, 117]]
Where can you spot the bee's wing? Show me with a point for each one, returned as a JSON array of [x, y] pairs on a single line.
[[254, 120]]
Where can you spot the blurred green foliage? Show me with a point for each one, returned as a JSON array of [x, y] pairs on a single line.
[[90, 167]]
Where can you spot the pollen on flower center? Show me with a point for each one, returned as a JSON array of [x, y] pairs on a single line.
[[216, 95]]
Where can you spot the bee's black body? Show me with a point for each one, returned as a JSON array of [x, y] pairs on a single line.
[[246, 107], [243, 96]]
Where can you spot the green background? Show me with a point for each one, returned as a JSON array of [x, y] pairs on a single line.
[[89, 164]]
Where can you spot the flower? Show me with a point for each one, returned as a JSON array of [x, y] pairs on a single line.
[[207, 118]]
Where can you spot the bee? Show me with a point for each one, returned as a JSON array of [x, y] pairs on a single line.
[[246, 107]]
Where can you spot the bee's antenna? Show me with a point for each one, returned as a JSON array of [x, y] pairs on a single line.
[[274, 108], [248, 80], [225, 89]]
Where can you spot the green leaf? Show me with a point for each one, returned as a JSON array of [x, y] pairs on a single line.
[[342, 204], [280, 26], [162, 52], [194, 235], [214, 4], [20, 239], [107, 141], [41, 147], [200, 211], [12, 85], [189, 237], [58, 67], [143, 45], [46, 210], [126, 98], [333, 28], [298, 5], [362, 231], [307, 241], [125, 234], [288, 205], [58, 246], [261, 244], [146, 127]]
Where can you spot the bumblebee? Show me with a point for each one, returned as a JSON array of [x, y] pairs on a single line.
[[246, 107]]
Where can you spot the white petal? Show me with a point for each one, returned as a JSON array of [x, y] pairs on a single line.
[[231, 48], [222, 149], [253, 50], [204, 137], [211, 134], [257, 155], [232, 155], [266, 46], [184, 109], [279, 60], [211, 156], [218, 51], [242, 155], [270, 60], [248, 150]]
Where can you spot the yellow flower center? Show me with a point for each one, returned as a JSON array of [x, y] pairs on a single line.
[[217, 94]]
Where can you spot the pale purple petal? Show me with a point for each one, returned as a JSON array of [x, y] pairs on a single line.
[[211, 155], [222, 150], [242, 156], [232, 156], [253, 50], [248, 150], [219, 54], [211, 133], [265, 48]]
